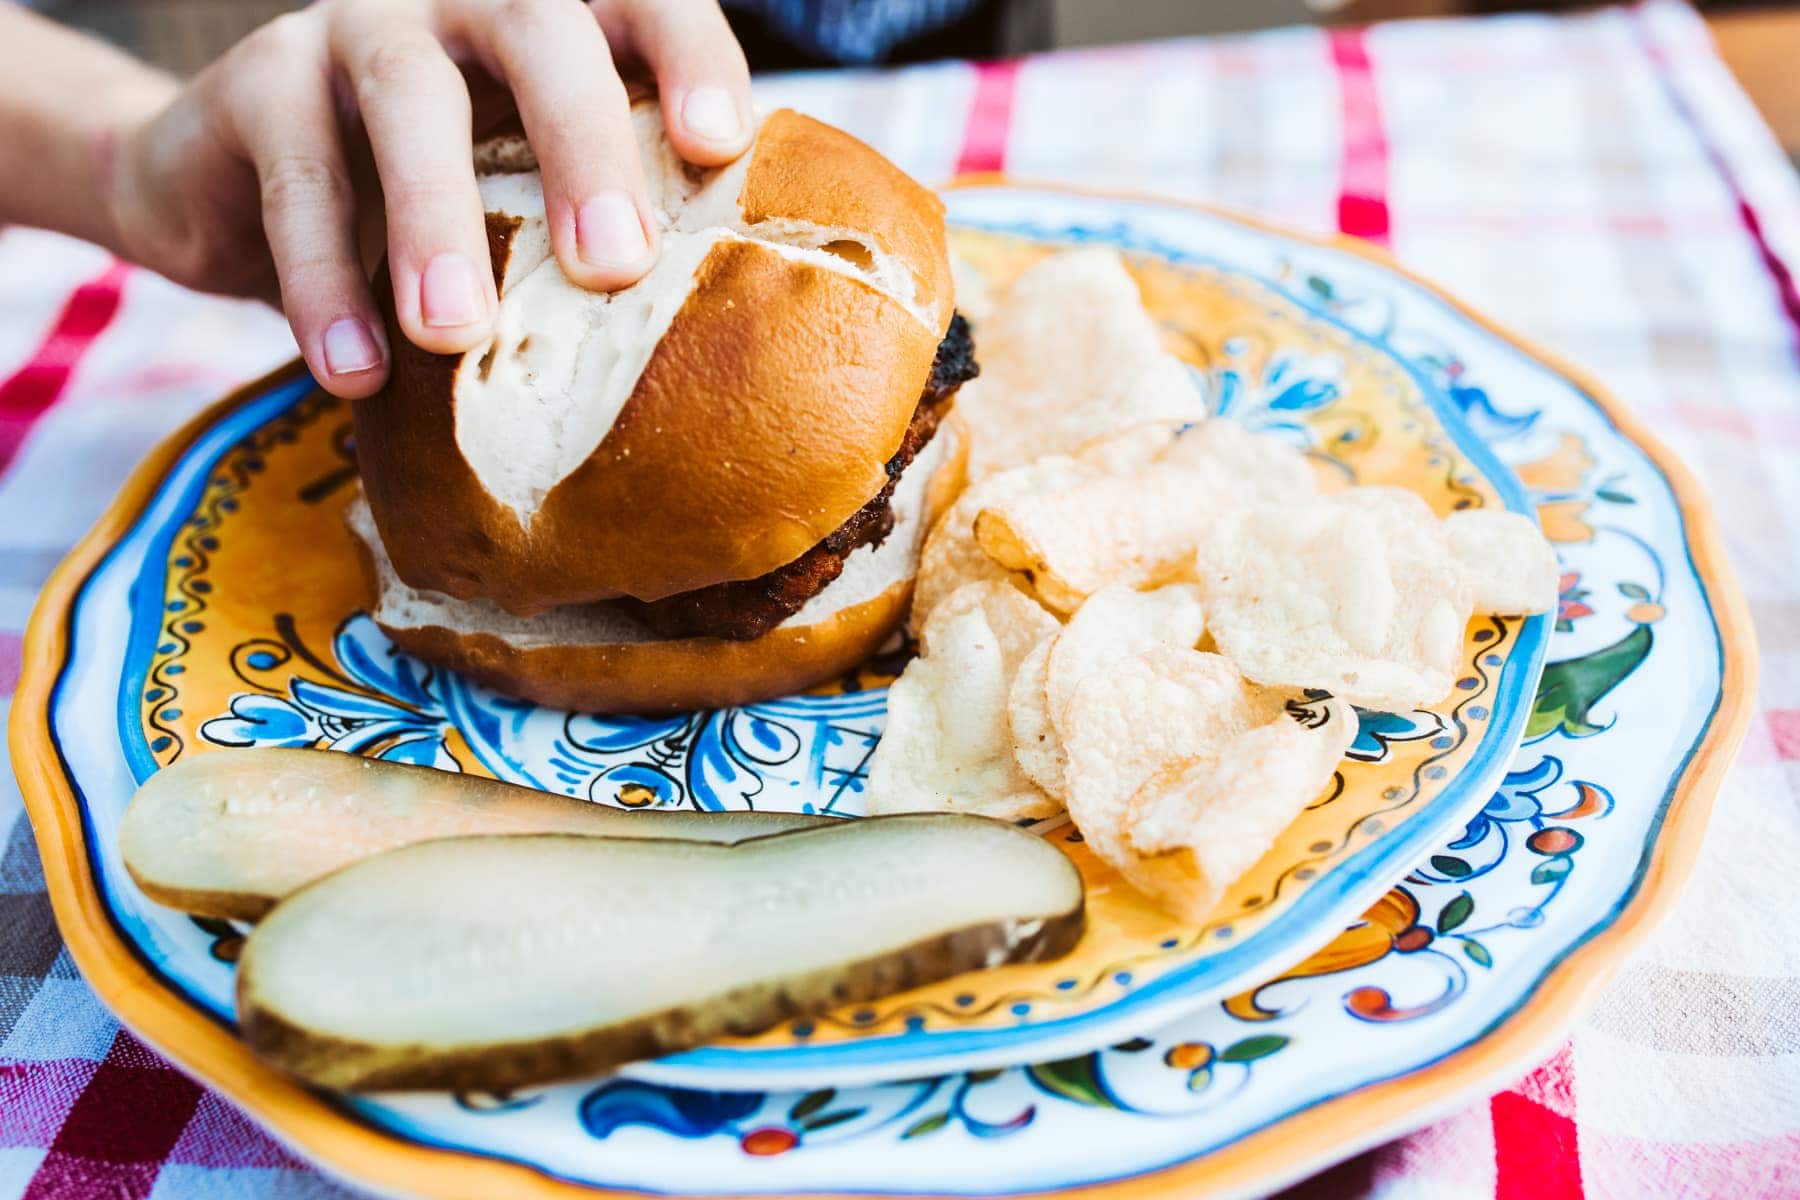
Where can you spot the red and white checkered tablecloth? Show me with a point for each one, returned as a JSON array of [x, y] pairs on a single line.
[[1598, 182]]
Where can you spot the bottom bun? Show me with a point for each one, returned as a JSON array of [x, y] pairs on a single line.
[[596, 658]]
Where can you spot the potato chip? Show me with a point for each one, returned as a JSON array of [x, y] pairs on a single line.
[[1141, 523], [1360, 593], [1197, 827], [1246, 468], [1120, 529], [1017, 621], [951, 558], [1102, 496], [1067, 353], [1130, 449], [1141, 715], [1037, 748], [1181, 773], [948, 745], [1350, 593], [1116, 624], [1512, 567]]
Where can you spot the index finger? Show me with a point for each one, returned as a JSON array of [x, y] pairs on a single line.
[[555, 59], [415, 108]]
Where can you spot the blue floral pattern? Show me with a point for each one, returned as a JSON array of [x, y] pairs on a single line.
[[391, 706], [393, 714], [765, 1124], [1277, 398], [1377, 731]]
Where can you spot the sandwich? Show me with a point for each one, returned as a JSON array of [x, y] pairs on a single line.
[[706, 489]]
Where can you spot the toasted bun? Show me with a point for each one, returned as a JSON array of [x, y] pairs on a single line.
[[731, 409], [595, 658]]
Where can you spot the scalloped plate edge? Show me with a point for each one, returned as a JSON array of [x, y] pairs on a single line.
[[315, 1127]]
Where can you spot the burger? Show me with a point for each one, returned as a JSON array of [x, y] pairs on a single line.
[[705, 489]]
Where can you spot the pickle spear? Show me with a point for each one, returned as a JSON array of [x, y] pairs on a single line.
[[493, 962], [228, 833]]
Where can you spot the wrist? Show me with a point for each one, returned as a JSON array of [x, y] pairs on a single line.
[[105, 147], [68, 104]]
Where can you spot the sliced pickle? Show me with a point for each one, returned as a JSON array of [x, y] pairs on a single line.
[[497, 961], [227, 834]]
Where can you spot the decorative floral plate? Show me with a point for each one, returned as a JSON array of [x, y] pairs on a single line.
[[1526, 893], [245, 599]]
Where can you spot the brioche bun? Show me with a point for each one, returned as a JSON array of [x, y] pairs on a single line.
[[708, 424], [597, 658]]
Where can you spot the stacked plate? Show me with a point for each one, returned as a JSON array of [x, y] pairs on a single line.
[[1418, 934]]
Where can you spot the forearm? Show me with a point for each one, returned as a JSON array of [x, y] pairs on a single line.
[[65, 98]]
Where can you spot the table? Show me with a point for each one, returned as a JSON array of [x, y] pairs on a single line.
[[1599, 182], [1760, 46]]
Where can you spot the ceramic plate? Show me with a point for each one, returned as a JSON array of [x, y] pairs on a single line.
[[230, 614], [1524, 893]]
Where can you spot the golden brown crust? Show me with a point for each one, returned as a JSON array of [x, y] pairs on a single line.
[[687, 673], [805, 170], [748, 608], [759, 425]]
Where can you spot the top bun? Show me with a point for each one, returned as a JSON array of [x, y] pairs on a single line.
[[712, 422]]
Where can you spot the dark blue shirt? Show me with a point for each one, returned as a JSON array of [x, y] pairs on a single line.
[[853, 31]]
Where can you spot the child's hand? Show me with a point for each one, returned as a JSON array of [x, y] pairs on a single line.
[[243, 183]]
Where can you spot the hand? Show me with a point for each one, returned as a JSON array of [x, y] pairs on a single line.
[[244, 182]]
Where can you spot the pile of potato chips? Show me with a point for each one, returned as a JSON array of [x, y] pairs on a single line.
[[1156, 622]]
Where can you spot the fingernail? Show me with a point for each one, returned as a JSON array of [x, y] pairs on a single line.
[[449, 294], [349, 347], [710, 113], [608, 232]]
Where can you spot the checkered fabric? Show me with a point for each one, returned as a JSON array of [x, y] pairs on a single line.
[[1598, 182]]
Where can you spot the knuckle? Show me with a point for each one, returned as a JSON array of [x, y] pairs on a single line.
[[278, 41], [402, 63], [290, 29], [524, 16], [512, 15], [519, 29], [296, 182], [665, 19]]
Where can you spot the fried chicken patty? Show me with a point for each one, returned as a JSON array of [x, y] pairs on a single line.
[[745, 609]]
